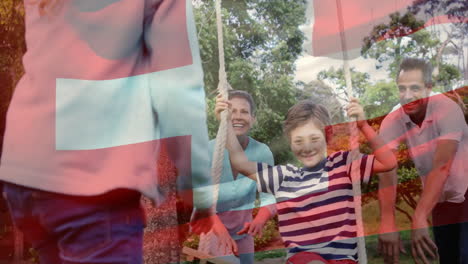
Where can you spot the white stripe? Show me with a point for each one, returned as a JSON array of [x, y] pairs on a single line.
[[334, 251], [318, 222], [297, 239], [337, 159], [315, 199]]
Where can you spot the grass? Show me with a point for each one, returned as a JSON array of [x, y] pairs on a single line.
[[371, 217], [276, 253]]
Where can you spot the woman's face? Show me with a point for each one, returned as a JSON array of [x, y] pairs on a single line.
[[308, 144]]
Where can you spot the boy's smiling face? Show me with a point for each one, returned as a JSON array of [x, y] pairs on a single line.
[[308, 143]]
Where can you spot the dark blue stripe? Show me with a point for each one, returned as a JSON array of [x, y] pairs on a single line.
[[270, 179], [338, 175], [325, 227], [336, 154], [261, 175], [280, 175], [337, 164], [318, 204], [362, 168], [304, 178], [309, 218], [291, 169]]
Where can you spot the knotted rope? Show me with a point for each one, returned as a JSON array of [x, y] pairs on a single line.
[[354, 144], [208, 243]]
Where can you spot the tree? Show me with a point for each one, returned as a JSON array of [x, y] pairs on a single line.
[[404, 36], [456, 35], [380, 98], [401, 36], [262, 41], [455, 10], [321, 93], [335, 77]]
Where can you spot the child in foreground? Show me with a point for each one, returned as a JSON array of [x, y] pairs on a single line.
[[315, 203]]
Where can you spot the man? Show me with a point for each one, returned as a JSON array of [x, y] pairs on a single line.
[[237, 193], [436, 134]]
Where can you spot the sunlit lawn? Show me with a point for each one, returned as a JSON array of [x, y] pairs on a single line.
[[371, 219]]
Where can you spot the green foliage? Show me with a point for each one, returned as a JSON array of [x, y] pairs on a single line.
[[380, 98], [385, 41], [192, 241], [271, 254], [336, 78], [270, 232], [404, 36], [447, 75], [455, 9], [262, 41], [319, 92], [409, 185]]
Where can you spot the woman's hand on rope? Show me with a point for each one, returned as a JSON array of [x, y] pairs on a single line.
[[221, 105], [355, 109], [226, 243]]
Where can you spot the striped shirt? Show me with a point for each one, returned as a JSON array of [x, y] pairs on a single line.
[[315, 205]]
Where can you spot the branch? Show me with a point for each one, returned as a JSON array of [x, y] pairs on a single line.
[[439, 54], [404, 212]]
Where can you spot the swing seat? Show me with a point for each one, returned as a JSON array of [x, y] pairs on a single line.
[[193, 254], [309, 258]]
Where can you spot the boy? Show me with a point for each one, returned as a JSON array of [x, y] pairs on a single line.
[[315, 203]]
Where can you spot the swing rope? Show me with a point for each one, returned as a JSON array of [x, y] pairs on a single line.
[[354, 145], [208, 242]]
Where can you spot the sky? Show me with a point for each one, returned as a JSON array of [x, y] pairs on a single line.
[[307, 66]]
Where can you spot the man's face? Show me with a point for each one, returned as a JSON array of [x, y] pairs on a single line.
[[412, 91], [242, 119], [308, 144]]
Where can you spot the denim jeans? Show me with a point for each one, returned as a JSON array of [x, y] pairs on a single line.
[[73, 229], [450, 229]]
